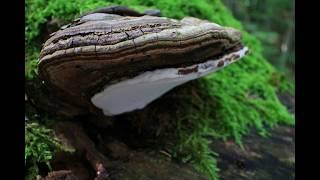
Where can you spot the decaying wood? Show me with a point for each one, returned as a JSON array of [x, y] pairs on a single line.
[[105, 160], [72, 134], [59, 175]]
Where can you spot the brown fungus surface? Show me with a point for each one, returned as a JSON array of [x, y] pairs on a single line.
[[81, 60]]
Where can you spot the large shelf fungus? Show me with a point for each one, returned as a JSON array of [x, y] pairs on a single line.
[[118, 64]]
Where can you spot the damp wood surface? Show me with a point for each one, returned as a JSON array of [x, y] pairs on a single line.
[[133, 156]]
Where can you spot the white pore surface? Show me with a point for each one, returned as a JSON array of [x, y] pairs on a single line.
[[136, 93]]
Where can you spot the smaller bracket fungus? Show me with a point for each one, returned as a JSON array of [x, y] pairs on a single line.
[[117, 64]]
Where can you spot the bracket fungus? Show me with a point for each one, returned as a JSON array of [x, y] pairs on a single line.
[[116, 64]]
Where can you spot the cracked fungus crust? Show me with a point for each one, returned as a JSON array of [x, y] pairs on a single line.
[[83, 58], [138, 92]]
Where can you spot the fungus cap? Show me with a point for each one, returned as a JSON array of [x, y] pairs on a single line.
[[119, 64]]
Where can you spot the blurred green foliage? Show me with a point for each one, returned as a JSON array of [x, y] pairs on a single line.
[[228, 103], [272, 22]]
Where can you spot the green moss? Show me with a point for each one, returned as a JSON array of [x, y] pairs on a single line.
[[31, 65], [40, 145], [194, 132], [228, 103]]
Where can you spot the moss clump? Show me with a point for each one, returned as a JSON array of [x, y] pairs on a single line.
[[40, 145], [31, 64], [227, 104]]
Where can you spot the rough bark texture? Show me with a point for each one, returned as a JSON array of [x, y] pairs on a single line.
[[59, 175], [121, 161], [262, 158]]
